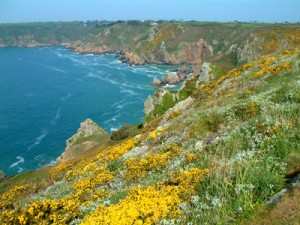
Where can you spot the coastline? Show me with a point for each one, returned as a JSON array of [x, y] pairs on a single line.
[[160, 71]]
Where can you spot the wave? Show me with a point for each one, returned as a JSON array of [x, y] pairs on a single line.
[[108, 79], [65, 98], [120, 105], [113, 119], [50, 67], [56, 118], [55, 69], [20, 160], [59, 54], [113, 129], [43, 160], [127, 91], [39, 139]]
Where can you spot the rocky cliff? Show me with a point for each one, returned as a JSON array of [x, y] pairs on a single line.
[[87, 136], [225, 44]]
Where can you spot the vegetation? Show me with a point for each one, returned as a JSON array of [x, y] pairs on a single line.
[[215, 161]]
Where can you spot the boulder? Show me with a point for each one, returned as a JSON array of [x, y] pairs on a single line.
[[179, 107], [149, 105], [173, 79], [156, 82], [205, 73]]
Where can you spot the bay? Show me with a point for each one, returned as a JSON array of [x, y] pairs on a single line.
[[45, 93]]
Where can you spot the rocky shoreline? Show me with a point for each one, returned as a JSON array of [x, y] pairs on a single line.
[[130, 58]]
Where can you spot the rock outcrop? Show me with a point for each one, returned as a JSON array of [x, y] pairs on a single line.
[[205, 73], [187, 53], [131, 58], [179, 107], [250, 50], [158, 99], [88, 136], [173, 78], [149, 104], [2, 176]]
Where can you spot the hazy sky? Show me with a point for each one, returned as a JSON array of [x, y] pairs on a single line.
[[203, 10]]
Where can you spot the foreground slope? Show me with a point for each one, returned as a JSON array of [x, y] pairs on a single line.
[[211, 155]]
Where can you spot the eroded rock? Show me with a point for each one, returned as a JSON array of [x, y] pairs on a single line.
[[2, 175], [88, 136]]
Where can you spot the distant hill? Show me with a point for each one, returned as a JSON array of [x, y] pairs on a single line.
[[226, 44]]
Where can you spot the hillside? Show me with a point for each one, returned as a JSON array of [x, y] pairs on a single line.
[[213, 152]]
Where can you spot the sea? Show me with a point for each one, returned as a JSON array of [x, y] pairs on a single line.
[[46, 92]]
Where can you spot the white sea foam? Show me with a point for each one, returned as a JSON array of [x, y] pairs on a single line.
[[56, 118], [39, 139], [118, 103], [55, 69], [49, 67], [65, 98], [113, 119], [169, 86], [108, 79], [59, 54], [20, 160], [113, 129], [20, 169], [128, 91], [43, 160]]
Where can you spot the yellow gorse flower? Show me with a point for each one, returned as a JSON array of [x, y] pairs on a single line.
[[141, 206]]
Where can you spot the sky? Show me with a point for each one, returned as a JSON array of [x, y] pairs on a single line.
[[12, 11]]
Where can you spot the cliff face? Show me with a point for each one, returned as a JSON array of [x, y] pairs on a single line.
[[226, 44], [88, 136], [187, 53]]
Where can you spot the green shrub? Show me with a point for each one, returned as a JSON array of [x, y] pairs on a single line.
[[207, 123], [167, 103], [120, 134], [247, 111], [115, 165]]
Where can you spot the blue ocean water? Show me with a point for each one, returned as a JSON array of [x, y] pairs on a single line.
[[46, 92]]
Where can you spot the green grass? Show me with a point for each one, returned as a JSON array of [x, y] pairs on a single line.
[[167, 102]]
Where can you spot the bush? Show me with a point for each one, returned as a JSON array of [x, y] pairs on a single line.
[[120, 134], [247, 111]]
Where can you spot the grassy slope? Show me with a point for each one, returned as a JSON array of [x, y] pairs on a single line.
[[213, 162]]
